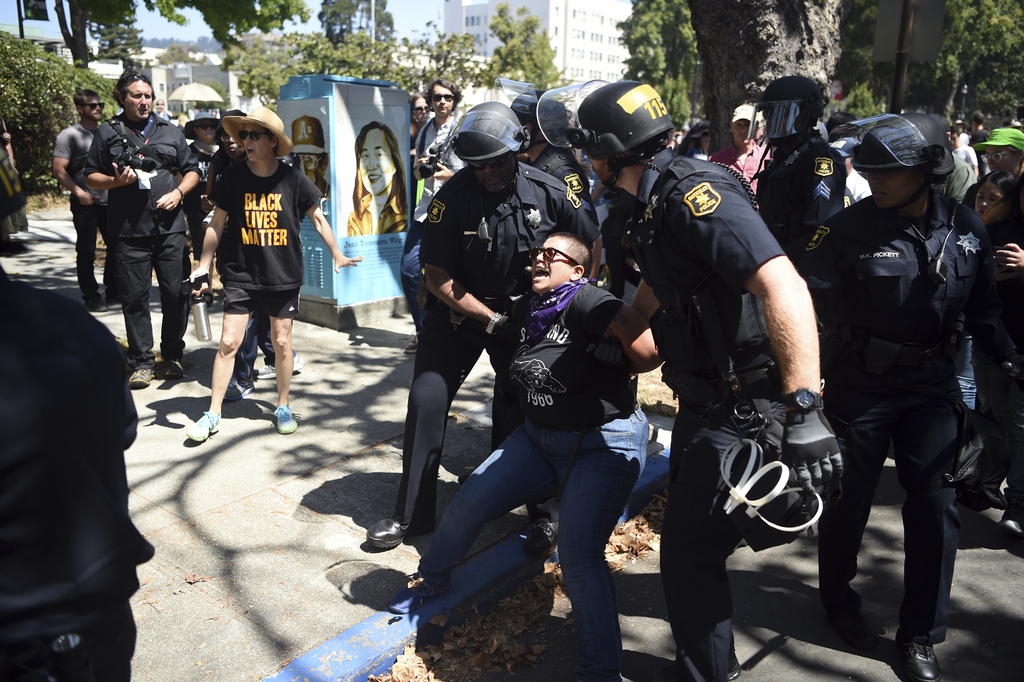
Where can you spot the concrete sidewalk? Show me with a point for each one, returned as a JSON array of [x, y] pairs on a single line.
[[261, 568]]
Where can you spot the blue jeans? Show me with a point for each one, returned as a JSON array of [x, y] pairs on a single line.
[[1004, 398], [530, 465], [410, 272]]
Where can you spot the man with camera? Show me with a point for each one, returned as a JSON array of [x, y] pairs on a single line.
[[138, 157], [435, 163]]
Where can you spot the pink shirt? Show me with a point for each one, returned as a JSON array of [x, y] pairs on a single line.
[[730, 157]]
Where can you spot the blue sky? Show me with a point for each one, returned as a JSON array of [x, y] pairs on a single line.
[[410, 16]]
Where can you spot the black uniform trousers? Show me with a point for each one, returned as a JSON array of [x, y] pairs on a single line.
[[697, 538], [87, 220], [923, 430], [445, 357], [137, 259]]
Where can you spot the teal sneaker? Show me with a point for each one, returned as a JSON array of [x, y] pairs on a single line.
[[285, 421], [207, 425]]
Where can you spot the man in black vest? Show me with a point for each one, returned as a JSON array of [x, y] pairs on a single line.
[[734, 323]]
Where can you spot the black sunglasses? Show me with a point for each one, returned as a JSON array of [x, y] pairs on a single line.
[[137, 77], [206, 126], [93, 105], [550, 253], [496, 164], [251, 134], [421, 108], [446, 98]]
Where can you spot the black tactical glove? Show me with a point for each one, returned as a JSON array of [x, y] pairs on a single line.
[[507, 329], [608, 351], [810, 447]]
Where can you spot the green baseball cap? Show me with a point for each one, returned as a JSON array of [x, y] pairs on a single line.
[[1002, 137]]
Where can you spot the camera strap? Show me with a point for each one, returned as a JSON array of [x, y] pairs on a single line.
[[130, 138]]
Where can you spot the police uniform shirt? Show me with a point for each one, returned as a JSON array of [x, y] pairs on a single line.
[[132, 210], [869, 271], [562, 164], [796, 193], [482, 239], [708, 227]]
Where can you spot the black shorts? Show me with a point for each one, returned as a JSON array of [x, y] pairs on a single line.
[[280, 304]]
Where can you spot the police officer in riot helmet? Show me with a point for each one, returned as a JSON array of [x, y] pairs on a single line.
[[480, 228], [806, 180], [896, 279], [734, 323]]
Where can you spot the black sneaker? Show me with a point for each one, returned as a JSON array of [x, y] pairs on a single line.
[[919, 662], [173, 369], [854, 629], [542, 538], [94, 305]]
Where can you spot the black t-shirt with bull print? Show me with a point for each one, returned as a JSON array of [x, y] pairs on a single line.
[[562, 386]]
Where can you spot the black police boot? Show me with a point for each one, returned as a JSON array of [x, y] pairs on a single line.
[[854, 630], [541, 539], [386, 534], [919, 662], [734, 664]]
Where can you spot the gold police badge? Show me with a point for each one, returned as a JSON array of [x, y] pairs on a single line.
[[702, 199], [816, 239], [574, 183], [435, 211], [823, 166], [573, 199]]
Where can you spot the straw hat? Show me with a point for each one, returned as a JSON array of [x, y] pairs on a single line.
[[265, 118]]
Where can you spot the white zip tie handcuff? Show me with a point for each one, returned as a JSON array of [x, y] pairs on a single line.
[[738, 493]]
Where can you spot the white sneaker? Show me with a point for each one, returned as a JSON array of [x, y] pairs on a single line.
[[269, 372]]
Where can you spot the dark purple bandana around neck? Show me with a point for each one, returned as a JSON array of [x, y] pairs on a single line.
[[545, 309]]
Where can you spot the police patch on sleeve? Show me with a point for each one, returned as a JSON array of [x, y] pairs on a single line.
[[822, 191], [817, 237], [573, 199], [702, 199], [823, 166], [435, 211], [573, 182]]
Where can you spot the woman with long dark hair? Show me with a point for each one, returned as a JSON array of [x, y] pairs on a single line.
[[379, 201]]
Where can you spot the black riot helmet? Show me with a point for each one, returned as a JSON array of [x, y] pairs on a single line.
[[894, 142], [791, 105], [620, 117], [525, 106], [488, 131]]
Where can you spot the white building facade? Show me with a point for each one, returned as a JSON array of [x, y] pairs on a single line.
[[584, 33]]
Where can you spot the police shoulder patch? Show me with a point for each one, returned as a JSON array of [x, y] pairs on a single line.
[[817, 237], [573, 182], [823, 166], [702, 199], [435, 211], [573, 199]]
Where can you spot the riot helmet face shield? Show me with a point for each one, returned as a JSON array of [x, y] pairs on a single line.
[[558, 111], [893, 142], [777, 120], [487, 131]]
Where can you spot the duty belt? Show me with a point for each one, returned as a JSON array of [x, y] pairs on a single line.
[[880, 354], [701, 392]]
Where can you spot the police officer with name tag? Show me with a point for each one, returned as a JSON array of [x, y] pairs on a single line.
[[806, 181], [891, 277], [734, 323], [478, 234]]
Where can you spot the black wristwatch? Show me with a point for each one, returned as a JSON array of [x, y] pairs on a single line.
[[803, 399]]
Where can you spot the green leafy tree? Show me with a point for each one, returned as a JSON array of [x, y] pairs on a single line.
[[35, 101], [343, 18], [117, 41], [452, 55], [264, 65], [176, 53], [525, 53], [226, 18], [662, 51]]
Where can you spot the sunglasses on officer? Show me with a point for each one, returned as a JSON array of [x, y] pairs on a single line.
[[550, 254], [500, 162]]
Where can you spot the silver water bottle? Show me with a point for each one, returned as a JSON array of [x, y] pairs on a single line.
[[201, 318]]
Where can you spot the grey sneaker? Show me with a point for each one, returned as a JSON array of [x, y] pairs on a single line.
[[1013, 517], [141, 378]]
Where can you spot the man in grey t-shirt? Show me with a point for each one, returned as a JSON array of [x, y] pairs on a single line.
[[88, 206]]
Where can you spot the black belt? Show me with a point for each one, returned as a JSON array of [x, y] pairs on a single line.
[[880, 354]]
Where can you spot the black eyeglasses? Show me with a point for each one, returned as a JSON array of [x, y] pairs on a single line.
[[550, 253], [496, 164], [251, 134], [446, 98], [421, 108], [93, 105]]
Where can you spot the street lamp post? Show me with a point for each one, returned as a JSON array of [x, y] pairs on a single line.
[[963, 102]]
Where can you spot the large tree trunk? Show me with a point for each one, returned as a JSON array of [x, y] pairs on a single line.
[[746, 44], [75, 32]]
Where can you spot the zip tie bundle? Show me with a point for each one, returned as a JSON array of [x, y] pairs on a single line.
[[738, 493]]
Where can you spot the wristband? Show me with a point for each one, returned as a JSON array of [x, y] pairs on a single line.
[[178, 190], [493, 321]]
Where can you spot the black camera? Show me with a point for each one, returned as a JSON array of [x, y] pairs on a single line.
[[129, 159], [429, 167]]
